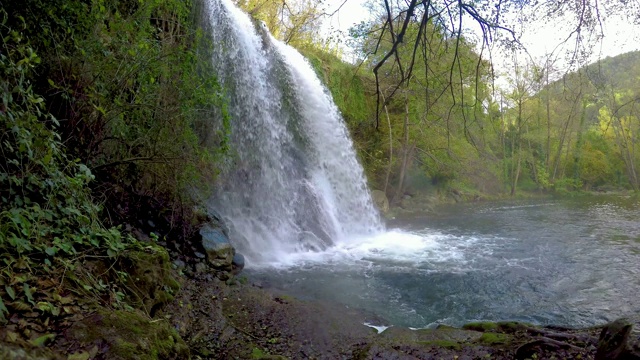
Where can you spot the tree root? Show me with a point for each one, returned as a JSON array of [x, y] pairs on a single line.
[[525, 350]]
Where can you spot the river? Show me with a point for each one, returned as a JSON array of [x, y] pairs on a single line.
[[572, 262]]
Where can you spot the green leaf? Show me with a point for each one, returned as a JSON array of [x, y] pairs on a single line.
[[51, 251], [82, 355], [10, 292], [47, 158], [3, 310], [28, 294], [43, 340], [47, 307]]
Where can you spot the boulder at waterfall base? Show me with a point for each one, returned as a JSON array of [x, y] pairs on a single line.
[[381, 201], [218, 248]]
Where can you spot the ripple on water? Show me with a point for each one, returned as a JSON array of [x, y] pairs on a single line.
[[564, 263]]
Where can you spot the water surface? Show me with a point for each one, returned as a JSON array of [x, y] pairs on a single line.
[[563, 262]]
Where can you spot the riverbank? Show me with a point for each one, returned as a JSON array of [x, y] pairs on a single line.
[[236, 319], [428, 202]]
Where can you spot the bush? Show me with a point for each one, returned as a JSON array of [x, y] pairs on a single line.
[[46, 212]]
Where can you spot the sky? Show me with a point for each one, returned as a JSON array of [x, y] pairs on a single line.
[[539, 38], [351, 12]]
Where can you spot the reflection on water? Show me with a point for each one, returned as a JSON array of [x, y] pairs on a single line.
[[569, 262]]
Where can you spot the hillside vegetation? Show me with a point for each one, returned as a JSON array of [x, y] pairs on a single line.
[[578, 132]]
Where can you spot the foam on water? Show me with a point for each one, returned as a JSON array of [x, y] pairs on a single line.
[[394, 249]]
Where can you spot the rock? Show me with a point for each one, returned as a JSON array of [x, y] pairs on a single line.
[[224, 276], [150, 279], [179, 264], [201, 268], [216, 219], [218, 248], [237, 263], [381, 201], [614, 343], [119, 334]]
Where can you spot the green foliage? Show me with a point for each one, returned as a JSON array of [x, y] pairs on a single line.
[[142, 96], [133, 83], [542, 175], [567, 184], [595, 167], [47, 214], [46, 205], [575, 133], [100, 99]]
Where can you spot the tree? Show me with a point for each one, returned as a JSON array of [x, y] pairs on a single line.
[[492, 17], [295, 22], [439, 113]]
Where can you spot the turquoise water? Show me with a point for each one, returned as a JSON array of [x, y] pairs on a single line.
[[562, 262]]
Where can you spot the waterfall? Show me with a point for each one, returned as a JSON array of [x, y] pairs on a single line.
[[295, 184]]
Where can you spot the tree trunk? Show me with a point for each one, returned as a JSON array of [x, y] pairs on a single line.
[[405, 152], [386, 180], [577, 154], [548, 150], [517, 172]]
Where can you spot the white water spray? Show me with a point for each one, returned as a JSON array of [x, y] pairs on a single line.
[[296, 185]]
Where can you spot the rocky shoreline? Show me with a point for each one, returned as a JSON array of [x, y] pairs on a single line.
[[210, 318], [197, 305]]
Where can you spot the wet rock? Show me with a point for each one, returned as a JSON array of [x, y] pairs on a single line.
[[614, 342], [381, 201], [237, 263], [216, 220], [218, 248]]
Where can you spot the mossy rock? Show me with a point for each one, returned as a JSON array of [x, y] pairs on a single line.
[[511, 327], [430, 336], [501, 326], [129, 335], [150, 280], [445, 344], [219, 250], [494, 338], [481, 326], [381, 201], [259, 354], [15, 352]]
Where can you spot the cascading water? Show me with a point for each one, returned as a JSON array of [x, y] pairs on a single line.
[[295, 184]]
